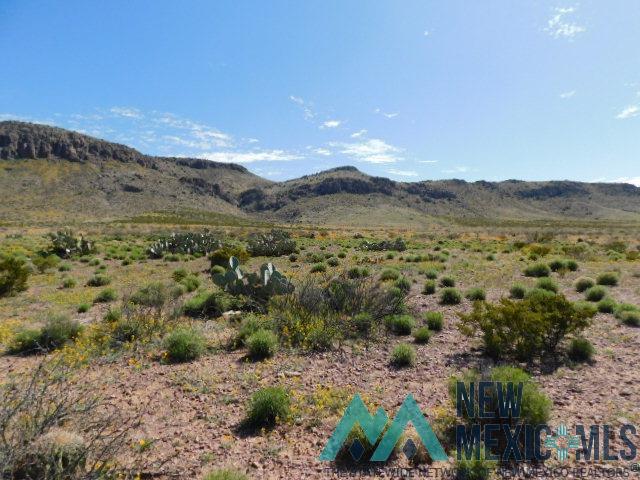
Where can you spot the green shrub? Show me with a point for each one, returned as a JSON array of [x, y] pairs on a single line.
[[580, 350], [631, 318], [83, 307], [190, 283], [250, 325], [400, 324], [105, 296], [225, 474], [607, 305], [222, 255], [26, 341], [625, 307], [98, 280], [431, 274], [262, 344], [475, 294], [403, 355], [69, 282], [154, 295], [14, 273], [389, 274], [595, 294], [363, 324], [180, 273], [571, 265], [113, 315], [184, 345], [610, 279], [217, 270], [537, 270], [450, 296], [588, 308], [267, 407], [94, 262], [422, 335], [447, 282], [45, 262], [170, 247], [403, 283], [333, 262], [342, 255], [57, 331], [583, 284], [556, 265], [533, 327], [318, 268], [65, 244], [435, 320], [547, 283], [518, 291], [429, 287], [204, 304], [64, 267]]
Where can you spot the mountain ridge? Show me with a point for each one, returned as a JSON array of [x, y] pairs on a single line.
[[51, 172]]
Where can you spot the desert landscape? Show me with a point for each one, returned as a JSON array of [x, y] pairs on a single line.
[[219, 328]]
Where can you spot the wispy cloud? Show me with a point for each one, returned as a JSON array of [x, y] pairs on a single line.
[[250, 156], [561, 24], [632, 180], [127, 112], [331, 124], [372, 150], [568, 94], [307, 107], [359, 133], [427, 161], [461, 169], [386, 115], [629, 112], [402, 173], [426, 33], [322, 151]]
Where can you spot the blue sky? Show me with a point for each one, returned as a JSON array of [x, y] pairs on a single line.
[[411, 90]]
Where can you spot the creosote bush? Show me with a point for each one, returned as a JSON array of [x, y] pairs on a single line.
[[268, 407], [400, 324], [262, 344], [583, 284], [595, 294], [537, 270], [609, 279], [580, 350], [14, 273], [450, 296], [403, 355], [184, 345]]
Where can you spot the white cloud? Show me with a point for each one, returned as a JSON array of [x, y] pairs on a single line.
[[323, 151], [206, 137], [127, 112], [629, 112], [359, 133], [456, 170], [331, 124], [387, 115], [559, 26], [632, 180], [427, 161], [426, 33], [568, 94], [373, 150], [402, 173], [252, 140], [250, 156], [307, 107]]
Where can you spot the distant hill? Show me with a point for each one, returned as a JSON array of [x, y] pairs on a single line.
[[52, 174]]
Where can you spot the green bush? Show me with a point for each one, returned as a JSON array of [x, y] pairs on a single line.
[[69, 282], [595, 294], [267, 407], [14, 273], [447, 282], [429, 287], [435, 320], [225, 474], [537, 270], [403, 283], [57, 331], [105, 296], [533, 327], [403, 355], [389, 274], [363, 324], [607, 305], [64, 267], [154, 295], [631, 318], [556, 265], [83, 307], [45, 262], [422, 335], [221, 256], [400, 324], [184, 345], [583, 284], [318, 268], [610, 279], [204, 304], [25, 341], [547, 283], [571, 265], [98, 280], [333, 262], [431, 274], [625, 307], [580, 350], [217, 270], [518, 291], [450, 296], [262, 344], [588, 308], [475, 294]]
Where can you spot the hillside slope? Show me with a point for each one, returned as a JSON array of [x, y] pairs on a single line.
[[52, 174]]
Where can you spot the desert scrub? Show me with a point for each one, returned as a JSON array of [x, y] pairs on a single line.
[[183, 345], [431, 274], [595, 294], [547, 283], [272, 244], [222, 255], [580, 350], [318, 268], [268, 407], [609, 279], [583, 284], [429, 287], [204, 304], [403, 284], [57, 331], [517, 291], [333, 262], [68, 282], [607, 305], [475, 294], [537, 270], [389, 274], [450, 296], [262, 344], [403, 355], [250, 325], [422, 335], [225, 474], [105, 296], [630, 318], [153, 295], [400, 324], [45, 262], [98, 280], [447, 282], [363, 324], [83, 307], [14, 273], [435, 320]]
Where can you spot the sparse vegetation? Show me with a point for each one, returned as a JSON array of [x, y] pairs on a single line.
[[403, 355]]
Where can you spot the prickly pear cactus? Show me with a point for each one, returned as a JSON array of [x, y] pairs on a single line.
[[260, 286]]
